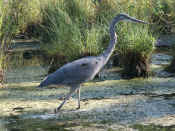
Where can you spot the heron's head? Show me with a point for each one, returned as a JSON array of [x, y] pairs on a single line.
[[126, 17]]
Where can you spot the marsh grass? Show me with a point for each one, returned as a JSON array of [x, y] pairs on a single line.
[[135, 48], [59, 34], [81, 12], [105, 11], [94, 43], [15, 16], [135, 37], [8, 28], [70, 34], [162, 14], [58, 26], [72, 29]]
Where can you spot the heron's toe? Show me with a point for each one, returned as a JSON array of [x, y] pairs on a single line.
[[78, 108], [55, 110]]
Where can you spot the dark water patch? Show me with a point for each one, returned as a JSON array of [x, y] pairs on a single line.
[[165, 41], [18, 124], [21, 123], [25, 74], [153, 127], [165, 96]]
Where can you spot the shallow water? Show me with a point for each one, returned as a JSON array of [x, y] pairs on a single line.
[[108, 105]]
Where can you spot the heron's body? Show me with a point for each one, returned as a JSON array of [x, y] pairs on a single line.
[[76, 72], [84, 69]]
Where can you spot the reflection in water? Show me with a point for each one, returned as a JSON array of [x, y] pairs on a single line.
[[2, 126], [25, 70]]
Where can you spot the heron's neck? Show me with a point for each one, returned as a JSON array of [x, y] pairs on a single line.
[[113, 40]]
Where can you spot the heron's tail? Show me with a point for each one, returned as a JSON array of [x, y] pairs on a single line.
[[39, 86], [42, 84]]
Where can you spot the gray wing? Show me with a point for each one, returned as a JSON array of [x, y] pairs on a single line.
[[75, 72]]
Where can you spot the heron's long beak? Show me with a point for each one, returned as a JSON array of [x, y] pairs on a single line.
[[136, 20]]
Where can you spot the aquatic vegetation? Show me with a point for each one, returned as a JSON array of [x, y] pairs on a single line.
[[135, 47], [162, 14], [72, 29], [8, 29]]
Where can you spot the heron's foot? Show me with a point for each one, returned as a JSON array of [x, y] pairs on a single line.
[[56, 110], [78, 108], [63, 98]]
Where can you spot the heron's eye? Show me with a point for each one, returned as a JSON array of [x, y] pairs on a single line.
[[84, 64], [121, 17]]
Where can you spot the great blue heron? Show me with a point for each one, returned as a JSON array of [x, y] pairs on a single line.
[[74, 73]]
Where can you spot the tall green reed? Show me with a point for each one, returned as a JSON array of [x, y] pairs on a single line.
[[59, 35], [136, 38], [8, 29]]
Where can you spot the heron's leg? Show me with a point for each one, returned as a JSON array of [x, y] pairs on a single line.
[[72, 90], [78, 93]]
